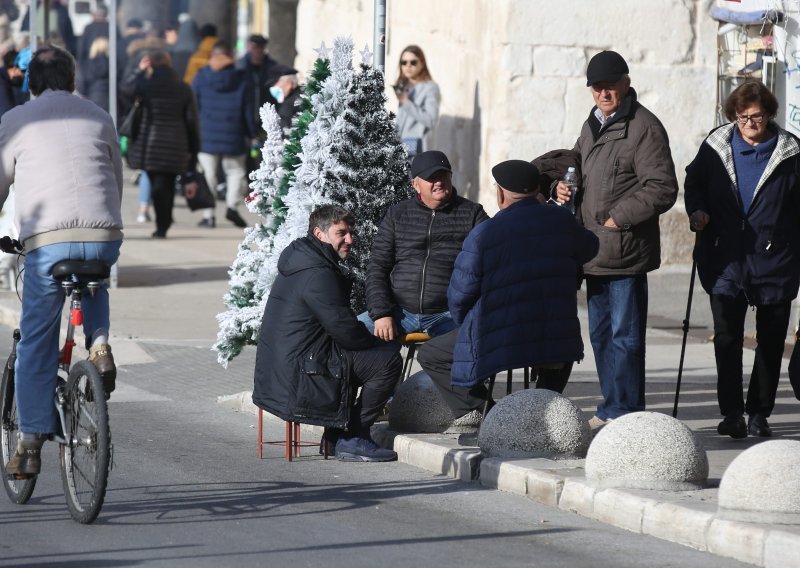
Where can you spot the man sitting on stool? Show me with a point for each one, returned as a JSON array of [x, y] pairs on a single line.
[[312, 351], [513, 292]]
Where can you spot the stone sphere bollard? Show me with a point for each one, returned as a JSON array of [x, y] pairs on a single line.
[[647, 450], [762, 484], [417, 406], [534, 423]]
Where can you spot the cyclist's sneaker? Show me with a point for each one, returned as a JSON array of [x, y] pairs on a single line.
[[27, 461], [103, 360]]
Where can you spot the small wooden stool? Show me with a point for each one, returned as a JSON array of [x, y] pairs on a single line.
[[411, 341], [291, 441]]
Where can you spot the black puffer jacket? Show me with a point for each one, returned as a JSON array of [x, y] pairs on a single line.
[[413, 254], [302, 372], [168, 138]]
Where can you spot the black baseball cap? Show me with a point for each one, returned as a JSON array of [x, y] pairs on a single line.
[[517, 176], [606, 66], [428, 163]]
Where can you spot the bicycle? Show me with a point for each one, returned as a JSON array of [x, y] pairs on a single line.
[[83, 434]]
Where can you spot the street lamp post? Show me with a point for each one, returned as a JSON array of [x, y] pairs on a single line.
[[379, 40]]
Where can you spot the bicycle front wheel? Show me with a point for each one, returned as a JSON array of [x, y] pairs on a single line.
[[85, 457], [19, 490]]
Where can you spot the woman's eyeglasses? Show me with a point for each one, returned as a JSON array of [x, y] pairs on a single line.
[[756, 118], [412, 62]]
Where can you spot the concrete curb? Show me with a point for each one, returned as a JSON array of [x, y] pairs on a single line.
[[671, 516], [688, 518]]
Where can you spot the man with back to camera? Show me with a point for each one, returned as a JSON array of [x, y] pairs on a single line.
[[312, 351], [68, 183], [512, 293], [628, 181], [414, 251]]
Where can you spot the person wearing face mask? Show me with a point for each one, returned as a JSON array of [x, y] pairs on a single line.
[[285, 90]]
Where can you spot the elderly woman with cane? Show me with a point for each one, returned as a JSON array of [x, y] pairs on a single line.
[[743, 192]]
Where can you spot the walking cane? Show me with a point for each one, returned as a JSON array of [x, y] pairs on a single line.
[[686, 325]]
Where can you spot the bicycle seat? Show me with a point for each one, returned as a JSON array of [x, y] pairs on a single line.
[[84, 270]]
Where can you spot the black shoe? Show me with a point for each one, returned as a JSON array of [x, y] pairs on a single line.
[[757, 425], [357, 449], [159, 235], [331, 436], [733, 426], [209, 223], [233, 216]]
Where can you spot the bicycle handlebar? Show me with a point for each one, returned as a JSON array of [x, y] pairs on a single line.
[[10, 246]]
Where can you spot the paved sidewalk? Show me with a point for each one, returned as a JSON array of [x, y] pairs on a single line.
[[170, 291]]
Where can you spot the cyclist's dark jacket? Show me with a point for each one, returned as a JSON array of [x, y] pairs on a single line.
[[413, 254], [301, 373]]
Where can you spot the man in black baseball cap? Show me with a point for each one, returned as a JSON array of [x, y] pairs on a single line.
[[414, 251], [513, 294], [628, 180]]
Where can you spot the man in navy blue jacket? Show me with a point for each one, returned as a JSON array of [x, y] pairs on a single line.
[[225, 103], [513, 292]]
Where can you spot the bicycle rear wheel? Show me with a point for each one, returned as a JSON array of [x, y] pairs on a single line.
[[86, 457], [19, 490]]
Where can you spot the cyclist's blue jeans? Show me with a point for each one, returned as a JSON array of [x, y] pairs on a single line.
[[408, 322], [42, 307]]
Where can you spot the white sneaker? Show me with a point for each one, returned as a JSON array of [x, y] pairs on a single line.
[[143, 217], [596, 423]]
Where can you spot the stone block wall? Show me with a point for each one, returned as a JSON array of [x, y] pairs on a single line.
[[512, 73]]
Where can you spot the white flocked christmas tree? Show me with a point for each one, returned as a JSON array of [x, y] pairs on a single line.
[[325, 160]]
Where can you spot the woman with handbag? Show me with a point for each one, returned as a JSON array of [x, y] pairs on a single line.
[[167, 139], [418, 96]]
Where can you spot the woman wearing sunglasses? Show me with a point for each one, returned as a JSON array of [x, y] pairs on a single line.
[[742, 196], [418, 96]]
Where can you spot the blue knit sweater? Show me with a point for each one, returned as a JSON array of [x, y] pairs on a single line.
[[750, 163]]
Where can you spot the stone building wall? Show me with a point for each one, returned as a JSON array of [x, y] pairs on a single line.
[[512, 73]]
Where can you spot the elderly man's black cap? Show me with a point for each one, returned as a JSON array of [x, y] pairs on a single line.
[[518, 176], [276, 72], [606, 67], [428, 163]]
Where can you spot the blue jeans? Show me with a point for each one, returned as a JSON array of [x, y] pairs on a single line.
[[145, 189], [42, 306], [617, 323], [432, 324]]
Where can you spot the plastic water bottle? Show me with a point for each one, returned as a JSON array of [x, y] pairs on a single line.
[[571, 180]]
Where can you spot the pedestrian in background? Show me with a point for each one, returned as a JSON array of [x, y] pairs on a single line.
[[168, 138], [628, 181], [11, 78], [285, 90], [93, 74], [199, 59], [418, 98], [227, 129], [742, 195], [98, 27], [186, 45]]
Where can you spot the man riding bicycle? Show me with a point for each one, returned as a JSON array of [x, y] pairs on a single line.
[[62, 154]]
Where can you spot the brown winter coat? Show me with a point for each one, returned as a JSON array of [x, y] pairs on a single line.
[[199, 58], [628, 175]]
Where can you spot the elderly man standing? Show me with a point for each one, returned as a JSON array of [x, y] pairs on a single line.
[[414, 251], [512, 292], [628, 181], [67, 172]]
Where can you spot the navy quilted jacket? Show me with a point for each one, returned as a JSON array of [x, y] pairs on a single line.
[[226, 110], [513, 291]]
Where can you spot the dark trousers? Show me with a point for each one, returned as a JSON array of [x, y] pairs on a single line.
[[377, 371], [163, 197], [436, 358], [772, 322]]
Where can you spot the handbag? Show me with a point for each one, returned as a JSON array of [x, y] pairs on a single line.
[[203, 199], [133, 121]]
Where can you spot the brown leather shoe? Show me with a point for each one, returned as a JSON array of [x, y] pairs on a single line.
[[100, 355], [27, 461]]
